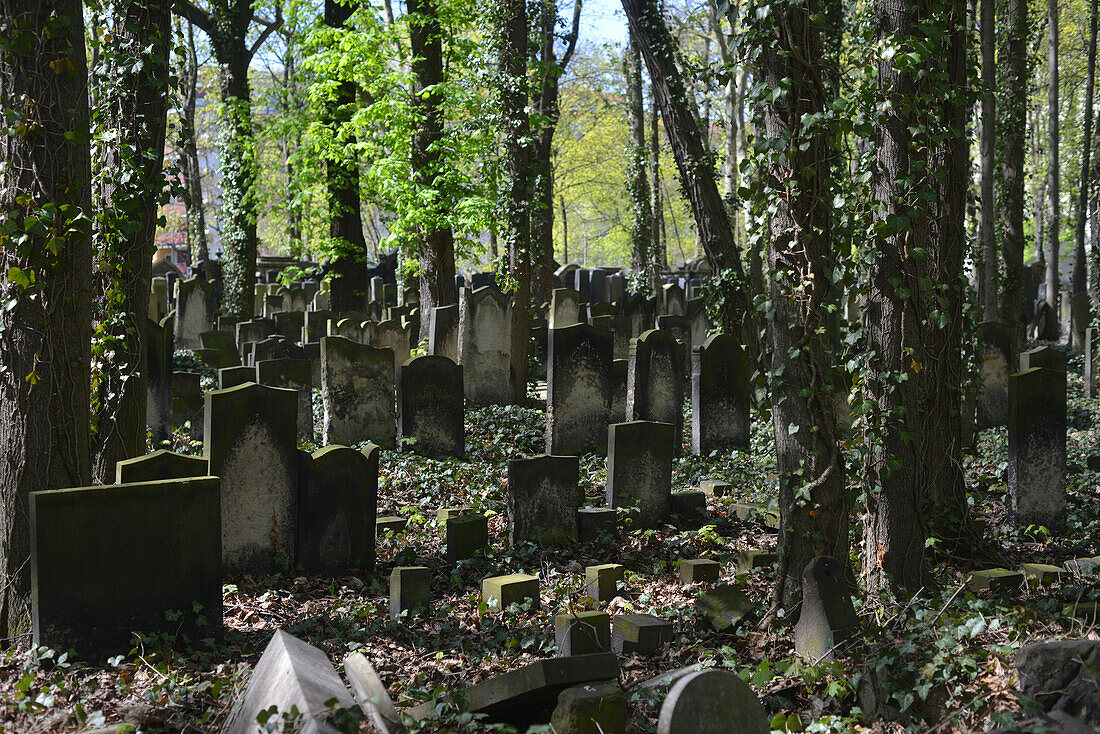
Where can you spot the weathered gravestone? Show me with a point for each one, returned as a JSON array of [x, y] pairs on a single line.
[[251, 442], [719, 396], [1049, 357], [315, 325], [372, 696], [485, 346], [410, 590], [591, 708], [392, 335], [639, 470], [158, 386], [828, 617], [673, 301], [680, 328], [443, 332], [290, 324], [251, 332], [1062, 675], [581, 279], [187, 400], [275, 346], [233, 376], [655, 382], [351, 328], [292, 374], [336, 509], [357, 388], [273, 304], [195, 310], [158, 299], [564, 308], [1037, 448], [430, 419], [619, 370], [161, 464], [113, 560], [578, 389], [994, 367], [712, 702], [543, 499]]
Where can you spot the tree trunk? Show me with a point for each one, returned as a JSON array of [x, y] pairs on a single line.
[[659, 252], [693, 162], [1080, 280], [988, 298], [192, 174], [44, 347], [814, 513], [1054, 214], [637, 183], [1012, 121], [435, 244], [130, 178]]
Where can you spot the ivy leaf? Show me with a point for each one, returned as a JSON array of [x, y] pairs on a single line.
[[20, 277]]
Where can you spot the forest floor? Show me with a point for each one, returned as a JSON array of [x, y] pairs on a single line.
[[942, 661]]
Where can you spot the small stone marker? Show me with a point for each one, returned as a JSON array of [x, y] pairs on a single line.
[[601, 583], [715, 487], [290, 674], [410, 590], [1037, 448], [827, 616], [720, 396], [639, 634], [223, 343], [543, 499], [443, 514], [466, 535], [724, 606], [515, 588], [751, 559], [1083, 566], [591, 521], [161, 464], [91, 591], [995, 579], [1062, 675], [712, 702], [1041, 573], [390, 523], [582, 633], [699, 569], [371, 695], [639, 470], [591, 708], [688, 509], [337, 501], [430, 417]]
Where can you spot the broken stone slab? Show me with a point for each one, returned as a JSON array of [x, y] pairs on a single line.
[[1083, 566], [582, 633], [755, 512], [591, 708], [515, 588], [827, 616], [1062, 675], [715, 487], [664, 680], [712, 702], [601, 583], [290, 673], [755, 558], [392, 523], [724, 606], [699, 569], [1041, 573], [641, 634], [995, 579], [591, 521], [372, 696]]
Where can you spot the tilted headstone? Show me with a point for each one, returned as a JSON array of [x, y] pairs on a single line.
[[655, 382], [712, 702], [1037, 448], [292, 374], [564, 308], [112, 560], [543, 499], [161, 464], [372, 696], [827, 617], [337, 507], [251, 442], [357, 389], [443, 332], [720, 393], [195, 311], [158, 386], [639, 470], [485, 346], [578, 389], [392, 335], [430, 418]]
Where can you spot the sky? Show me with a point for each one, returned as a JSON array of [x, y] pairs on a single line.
[[602, 21]]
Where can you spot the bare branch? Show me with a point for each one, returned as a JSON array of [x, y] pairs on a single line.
[[196, 15], [270, 26], [572, 44]]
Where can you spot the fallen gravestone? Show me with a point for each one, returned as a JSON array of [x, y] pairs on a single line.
[[371, 695], [724, 606]]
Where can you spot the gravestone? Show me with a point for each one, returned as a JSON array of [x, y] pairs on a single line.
[[275, 346], [195, 309], [430, 407], [485, 346], [673, 302], [655, 382], [639, 634], [1037, 448], [828, 617], [337, 506], [616, 286], [351, 328], [357, 388], [619, 369], [994, 366], [259, 290], [187, 401], [161, 464], [712, 702], [222, 343], [582, 633], [296, 300], [233, 376], [594, 521], [290, 324], [443, 332], [639, 470], [315, 325], [372, 696], [158, 299], [292, 374], [273, 304], [253, 331], [251, 442], [591, 708], [158, 386], [410, 588], [392, 335], [720, 393], [597, 287], [680, 329], [112, 560], [543, 499], [601, 583], [578, 390], [697, 318], [1049, 357], [581, 279], [466, 534], [564, 308], [502, 592]]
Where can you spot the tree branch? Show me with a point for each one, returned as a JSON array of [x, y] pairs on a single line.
[[196, 15], [572, 34], [270, 26]]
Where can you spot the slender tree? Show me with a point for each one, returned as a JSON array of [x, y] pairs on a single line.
[[637, 182], [189, 154], [1012, 131], [45, 192], [1054, 177], [988, 286], [660, 247], [1080, 277]]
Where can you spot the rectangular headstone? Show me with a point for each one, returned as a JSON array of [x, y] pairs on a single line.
[[443, 332], [720, 393], [357, 388], [655, 382], [158, 398], [485, 346], [543, 499], [578, 389], [337, 507], [639, 470], [1037, 448], [430, 412], [292, 374], [161, 464], [195, 309]]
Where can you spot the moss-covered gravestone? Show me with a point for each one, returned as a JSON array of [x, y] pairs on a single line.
[[336, 509], [1037, 448], [618, 390], [673, 300], [712, 702], [591, 708], [655, 382], [828, 617], [253, 331], [639, 470], [410, 590], [994, 367], [195, 309], [443, 332], [251, 439], [543, 499], [578, 389], [501, 592], [113, 560], [160, 464], [187, 402], [392, 335], [430, 418], [640, 634], [273, 304], [485, 346], [564, 308], [719, 396], [158, 396], [357, 388], [466, 535], [582, 633], [292, 374], [289, 324]]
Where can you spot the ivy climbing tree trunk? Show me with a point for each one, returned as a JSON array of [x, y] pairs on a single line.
[[189, 158], [988, 297], [1054, 194], [132, 112], [45, 330], [1012, 129], [435, 244], [1080, 275], [814, 512], [913, 362], [637, 182]]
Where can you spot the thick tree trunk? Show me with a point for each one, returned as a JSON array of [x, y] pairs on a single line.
[[637, 183], [1080, 278], [46, 323], [130, 175], [1012, 123], [1054, 214], [436, 244], [988, 287], [814, 512], [192, 174]]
